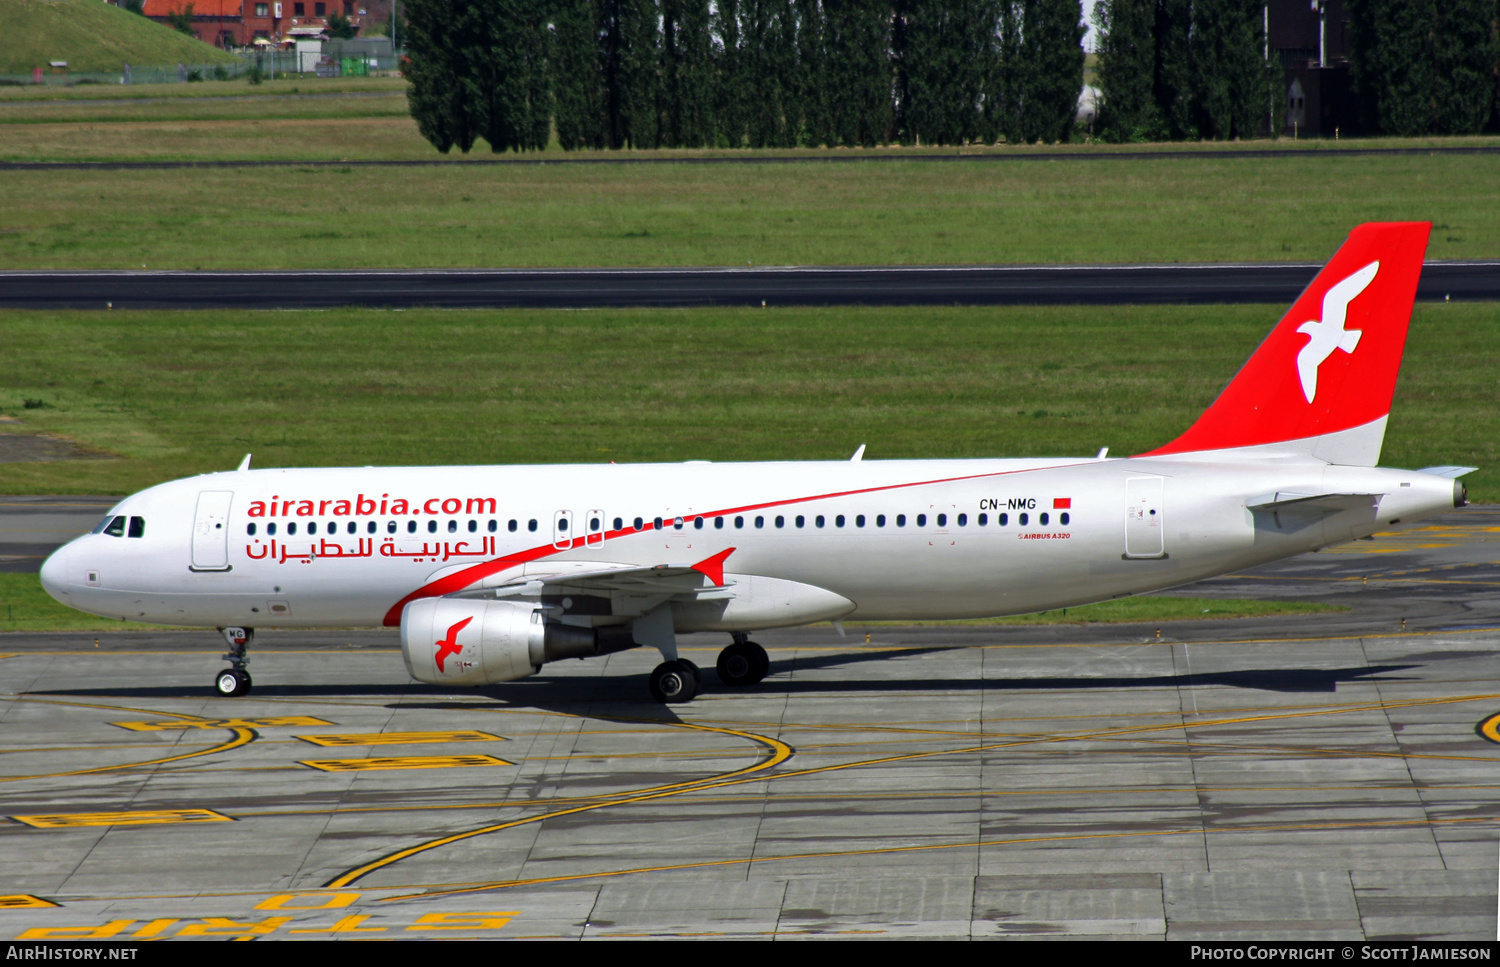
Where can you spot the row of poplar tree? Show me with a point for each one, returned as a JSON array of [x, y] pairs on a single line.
[[730, 73], [1195, 68]]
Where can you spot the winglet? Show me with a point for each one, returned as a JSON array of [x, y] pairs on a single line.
[[858, 454], [245, 463], [713, 567]]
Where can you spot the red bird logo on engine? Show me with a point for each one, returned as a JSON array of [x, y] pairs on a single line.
[[449, 645]]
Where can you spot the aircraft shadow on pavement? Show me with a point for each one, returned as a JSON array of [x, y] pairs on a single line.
[[1261, 679], [625, 695]]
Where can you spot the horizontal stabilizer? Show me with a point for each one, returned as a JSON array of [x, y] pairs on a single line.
[[1327, 503], [1452, 473]]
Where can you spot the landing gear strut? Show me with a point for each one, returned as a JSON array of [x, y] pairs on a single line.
[[235, 680], [743, 663]]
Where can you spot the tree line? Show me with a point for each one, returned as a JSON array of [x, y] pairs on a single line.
[[1171, 69], [733, 73]]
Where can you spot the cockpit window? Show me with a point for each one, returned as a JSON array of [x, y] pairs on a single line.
[[99, 527], [116, 527], [137, 527]]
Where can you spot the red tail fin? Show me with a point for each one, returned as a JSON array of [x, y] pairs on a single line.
[[1323, 379]]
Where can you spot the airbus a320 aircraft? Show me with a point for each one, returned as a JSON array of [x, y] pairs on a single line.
[[491, 572]]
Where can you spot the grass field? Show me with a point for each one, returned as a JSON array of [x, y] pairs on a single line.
[[90, 36], [177, 393], [900, 212], [24, 606]]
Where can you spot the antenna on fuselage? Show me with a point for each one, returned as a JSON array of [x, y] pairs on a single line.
[[245, 463]]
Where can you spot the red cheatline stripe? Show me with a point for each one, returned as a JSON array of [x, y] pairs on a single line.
[[459, 580]]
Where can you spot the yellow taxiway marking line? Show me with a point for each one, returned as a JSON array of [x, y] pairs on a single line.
[[144, 817], [1490, 728], [405, 762], [968, 844], [353, 875], [242, 736], [398, 738], [24, 901], [284, 721], [780, 752]]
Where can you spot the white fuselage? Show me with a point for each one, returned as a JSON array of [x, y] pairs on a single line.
[[897, 539]]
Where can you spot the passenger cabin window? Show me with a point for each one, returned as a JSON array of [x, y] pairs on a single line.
[[900, 520], [411, 527], [983, 519], [250, 528], [1044, 520], [271, 529], [453, 527], [1064, 518], [620, 523], [511, 527], [531, 525], [1023, 520], [1003, 519], [963, 520]]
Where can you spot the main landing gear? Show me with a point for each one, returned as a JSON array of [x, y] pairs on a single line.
[[675, 681], [235, 680], [742, 663]]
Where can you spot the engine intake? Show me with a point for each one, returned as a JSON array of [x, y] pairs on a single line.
[[458, 641]]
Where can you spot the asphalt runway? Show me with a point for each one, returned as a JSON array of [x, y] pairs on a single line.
[[33, 527], [750, 286], [1314, 777]]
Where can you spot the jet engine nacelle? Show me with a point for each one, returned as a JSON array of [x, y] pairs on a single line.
[[463, 641]]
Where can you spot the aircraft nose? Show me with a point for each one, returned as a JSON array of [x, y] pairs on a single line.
[[55, 573]]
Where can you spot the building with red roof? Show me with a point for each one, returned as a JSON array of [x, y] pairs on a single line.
[[239, 23]]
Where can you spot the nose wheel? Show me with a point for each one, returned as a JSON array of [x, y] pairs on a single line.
[[235, 680], [232, 682]]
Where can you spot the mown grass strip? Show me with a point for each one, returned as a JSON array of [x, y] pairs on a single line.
[[178, 393], [898, 213]]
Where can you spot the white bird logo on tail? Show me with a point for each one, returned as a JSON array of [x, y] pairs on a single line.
[[1323, 337]]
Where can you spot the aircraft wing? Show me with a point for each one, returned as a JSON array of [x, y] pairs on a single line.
[[629, 590]]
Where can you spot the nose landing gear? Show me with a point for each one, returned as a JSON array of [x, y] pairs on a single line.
[[235, 680]]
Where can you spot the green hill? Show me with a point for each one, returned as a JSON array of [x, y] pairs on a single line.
[[91, 36]]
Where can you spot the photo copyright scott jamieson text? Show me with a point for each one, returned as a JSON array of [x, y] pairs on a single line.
[[1346, 952]]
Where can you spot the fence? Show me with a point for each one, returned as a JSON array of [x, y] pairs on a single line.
[[273, 63]]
